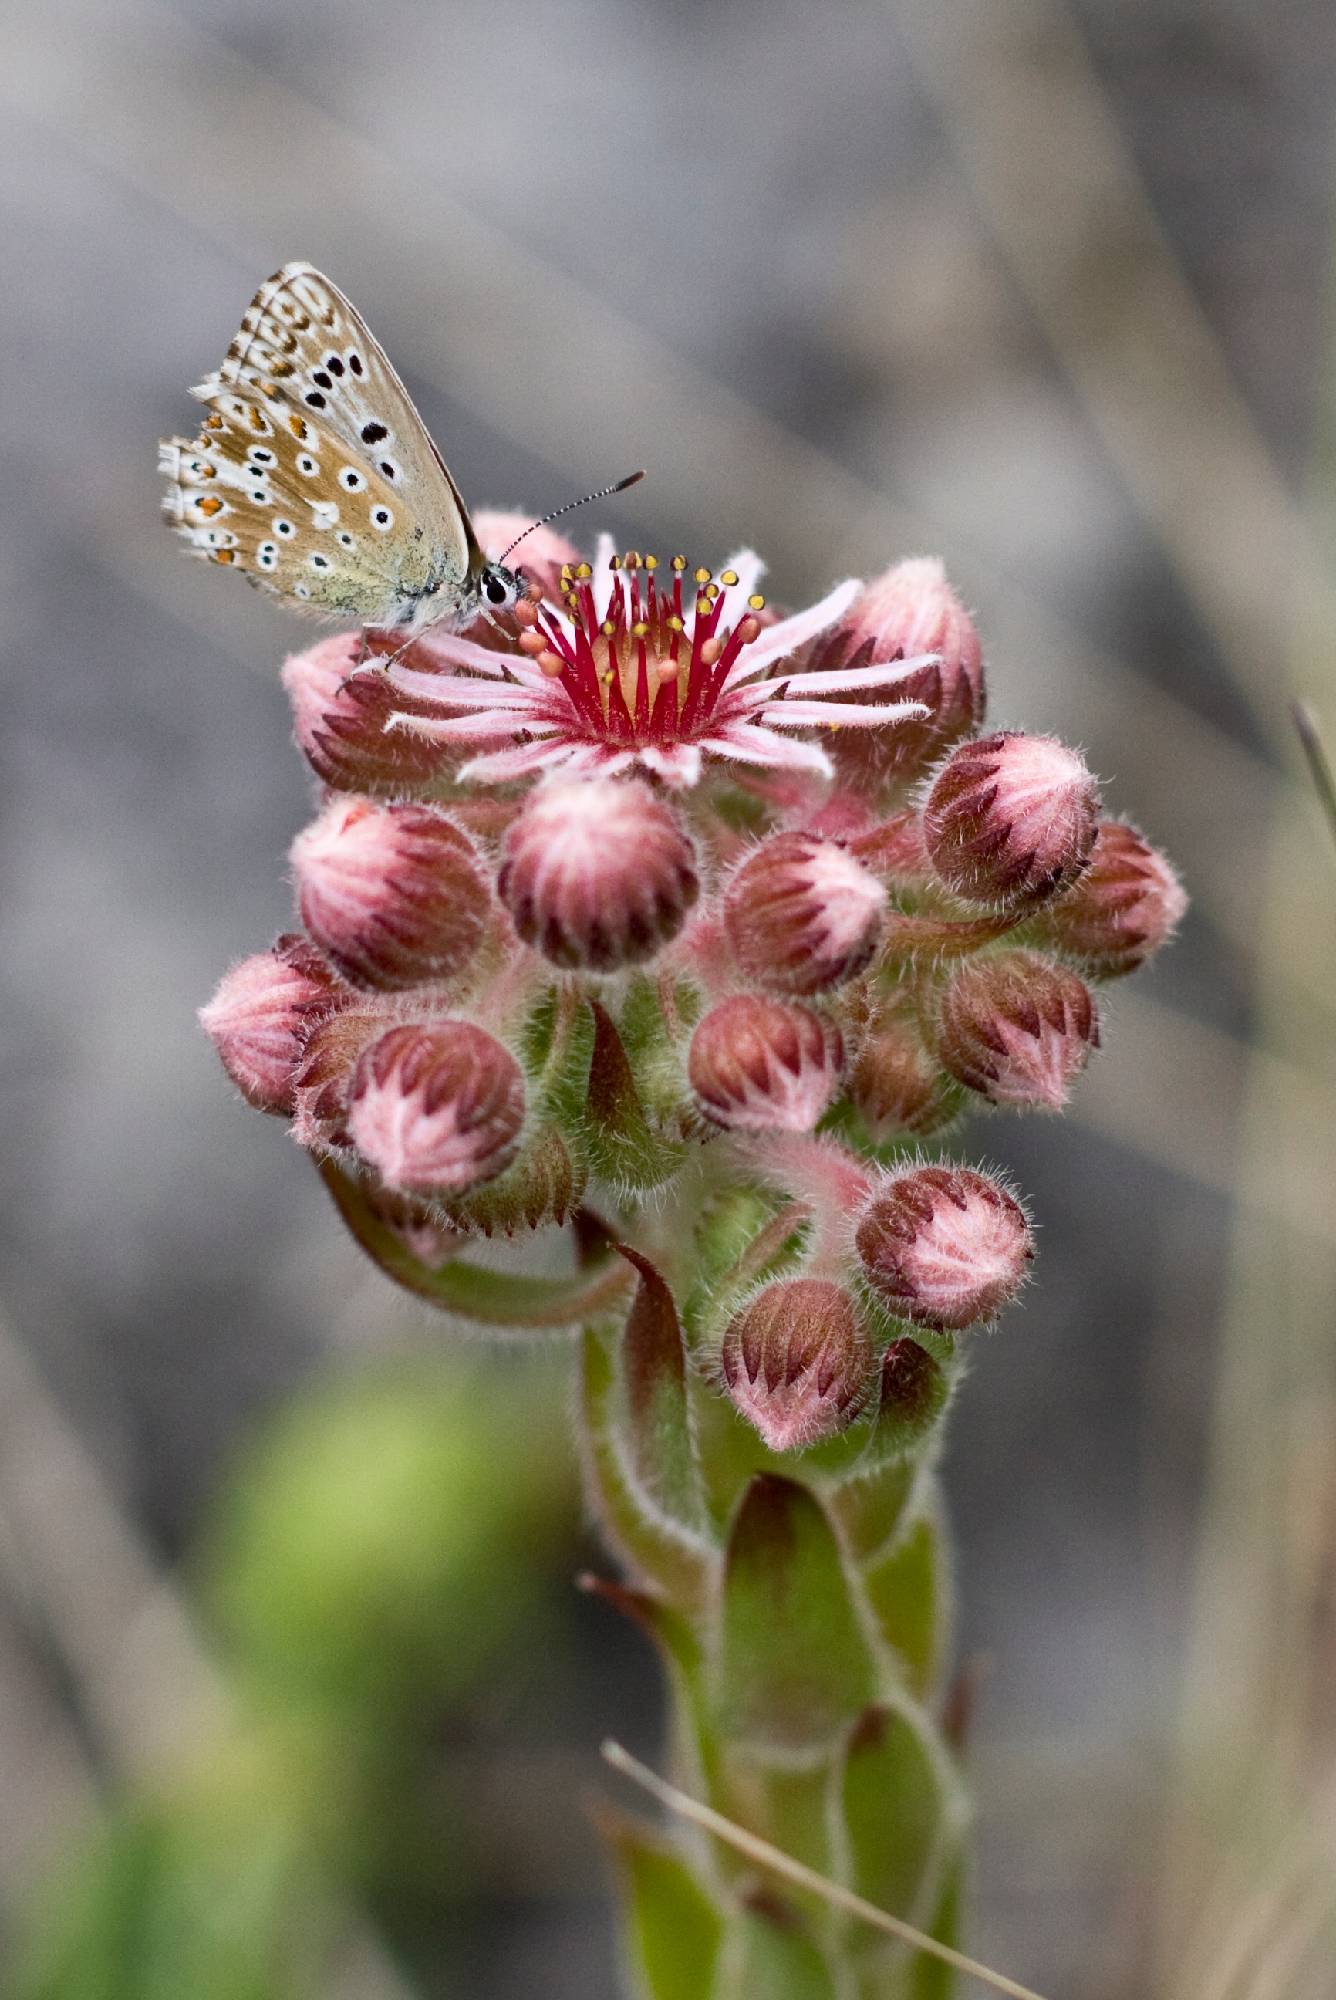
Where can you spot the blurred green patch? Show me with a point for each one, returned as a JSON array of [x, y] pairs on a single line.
[[385, 1573]]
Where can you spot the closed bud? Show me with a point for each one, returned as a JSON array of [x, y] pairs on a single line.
[[1017, 1027], [944, 1246], [759, 1065], [911, 609], [802, 914], [897, 1086], [262, 1013], [339, 715], [324, 1075], [416, 1223], [1010, 818], [1125, 906], [598, 873], [797, 1362], [436, 1107], [395, 893]]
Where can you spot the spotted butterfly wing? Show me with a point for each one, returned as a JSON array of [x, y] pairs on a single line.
[[313, 473]]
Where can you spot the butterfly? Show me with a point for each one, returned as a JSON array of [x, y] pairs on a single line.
[[315, 477]]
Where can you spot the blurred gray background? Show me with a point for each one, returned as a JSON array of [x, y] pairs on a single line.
[[1041, 287]]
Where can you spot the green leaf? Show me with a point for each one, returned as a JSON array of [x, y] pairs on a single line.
[[930, 1978], [493, 1298], [872, 1509], [649, 1546], [673, 1929], [772, 1957], [908, 1591], [655, 1022], [794, 1667], [556, 1047], [542, 1184], [622, 1147], [660, 1447], [894, 1795]]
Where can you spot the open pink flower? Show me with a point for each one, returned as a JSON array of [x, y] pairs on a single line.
[[632, 669]]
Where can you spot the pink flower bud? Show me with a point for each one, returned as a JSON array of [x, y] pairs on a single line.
[[418, 1225], [598, 873], [1010, 818], [760, 1065], [797, 1362], [395, 893], [944, 1246], [1017, 1027], [1124, 907], [911, 608], [897, 1086], [802, 914], [339, 715], [437, 1107], [324, 1075], [262, 1013], [540, 555]]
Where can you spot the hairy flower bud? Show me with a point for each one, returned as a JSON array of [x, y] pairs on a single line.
[[339, 715], [598, 873], [436, 1107], [759, 1065], [418, 1224], [909, 609], [943, 1246], [1124, 907], [1017, 1027], [1010, 818], [897, 1086], [802, 914], [797, 1361], [395, 893], [324, 1074], [262, 1013]]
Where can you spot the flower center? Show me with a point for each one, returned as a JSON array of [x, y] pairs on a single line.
[[640, 663]]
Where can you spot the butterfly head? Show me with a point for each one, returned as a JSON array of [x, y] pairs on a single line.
[[499, 588]]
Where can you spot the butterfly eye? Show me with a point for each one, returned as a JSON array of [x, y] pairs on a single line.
[[498, 588]]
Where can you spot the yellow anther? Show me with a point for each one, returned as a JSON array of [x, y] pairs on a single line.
[[632, 559], [640, 631], [712, 591], [584, 572], [728, 576], [651, 562], [679, 563], [756, 602], [607, 628], [702, 576], [565, 571], [614, 562], [703, 607], [675, 624]]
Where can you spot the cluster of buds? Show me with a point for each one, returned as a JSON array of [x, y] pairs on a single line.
[[641, 887]]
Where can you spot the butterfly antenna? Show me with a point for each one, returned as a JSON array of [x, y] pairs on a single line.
[[631, 479]]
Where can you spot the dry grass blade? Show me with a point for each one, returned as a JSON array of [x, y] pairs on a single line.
[[779, 1863], [1319, 764]]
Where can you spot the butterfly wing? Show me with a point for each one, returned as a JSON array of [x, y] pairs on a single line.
[[313, 473]]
